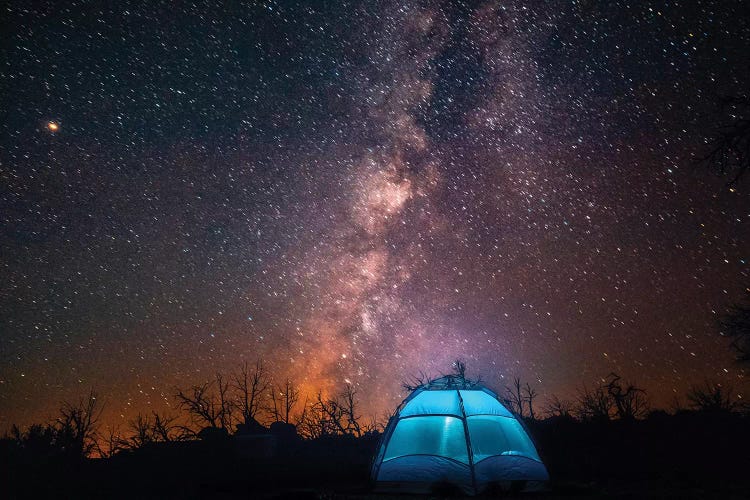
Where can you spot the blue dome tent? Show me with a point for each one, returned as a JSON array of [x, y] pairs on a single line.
[[452, 431]]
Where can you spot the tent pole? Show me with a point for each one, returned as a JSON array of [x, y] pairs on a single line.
[[468, 442]]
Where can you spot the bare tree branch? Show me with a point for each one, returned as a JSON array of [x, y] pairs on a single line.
[[557, 407], [730, 148], [736, 326], [514, 397], [206, 407], [77, 424], [594, 404], [336, 415], [283, 399], [529, 395], [252, 386], [630, 402], [713, 397], [414, 382]]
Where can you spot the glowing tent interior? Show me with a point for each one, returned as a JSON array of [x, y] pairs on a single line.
[[453, 432]]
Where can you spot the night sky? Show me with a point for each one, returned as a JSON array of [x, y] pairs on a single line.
[[360, 191]]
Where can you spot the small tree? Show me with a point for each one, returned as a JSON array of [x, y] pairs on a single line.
[[73, 435], [336, 415], [736, 326], [165, 428], [111, 443], [629, 401], [283, 400], [76, 429], [529, 394], [730, 148], [323, 417], [349, 405], [37, 442], [151, 429], [594, 404], [712, 398], [514, 397], [141, 432], [252, 386], [206, 406], [557, 407]]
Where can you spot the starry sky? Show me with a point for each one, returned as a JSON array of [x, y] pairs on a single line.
[[357, 191]]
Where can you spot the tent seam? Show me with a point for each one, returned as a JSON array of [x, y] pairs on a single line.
[[468, 441]]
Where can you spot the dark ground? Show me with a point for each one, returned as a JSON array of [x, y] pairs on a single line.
[[689, 455]]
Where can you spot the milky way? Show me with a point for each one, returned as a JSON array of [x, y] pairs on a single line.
[[358, 192]]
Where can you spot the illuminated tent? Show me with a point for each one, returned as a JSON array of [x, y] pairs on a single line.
[[453, 432]]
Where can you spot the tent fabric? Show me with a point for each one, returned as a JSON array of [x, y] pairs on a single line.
[[425, 469], [451, 433], [433, 403], [429, 435], [508, 468], [491, 435], [481, 403]]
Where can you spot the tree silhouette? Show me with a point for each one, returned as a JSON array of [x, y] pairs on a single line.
[[736, 326], [712, 397], [77, 425], [252, 386], [557, 407], [594, 405], [349, 405], [529, 395], [283, 399], [730, 147], [514, 397], [206, 406], [73, 434], [629, 401], [337, 415], [140, 427], [164, 428], [323, 417], [610, 399], [38, 441], [111, 443], [151, 429]]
